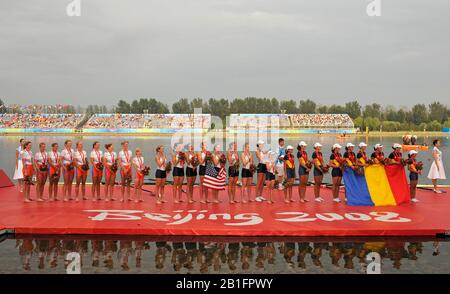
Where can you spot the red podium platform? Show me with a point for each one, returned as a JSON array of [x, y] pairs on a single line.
[[426, 218]]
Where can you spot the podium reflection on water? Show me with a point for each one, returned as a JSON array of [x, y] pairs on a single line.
[[159, 256]]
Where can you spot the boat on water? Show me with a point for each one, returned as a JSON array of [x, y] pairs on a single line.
[[415, 147]]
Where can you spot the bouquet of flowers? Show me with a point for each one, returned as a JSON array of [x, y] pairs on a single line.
[[127, 179], [370, 161], [195, 162], [43, 168], [28, 180], [309, 164], [182, 156], [223, 159], [208, 156], [419, 165], [403, 161], [85, 166], [54, 177], [146, 170], [168, 166], [114, 167], [325, 168], [99, 166], [70, 166], [252, 168]]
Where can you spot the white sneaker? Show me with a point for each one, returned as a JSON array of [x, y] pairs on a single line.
[[280, 187], [437, 191], [258, 199], [319, 200], [337, 200], [262, 198], [414, 200]]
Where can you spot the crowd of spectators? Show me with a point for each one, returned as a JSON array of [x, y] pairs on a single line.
[[39, 121], [256, 121], [38, 108], [148, 121], [172, 121], [321, 121]]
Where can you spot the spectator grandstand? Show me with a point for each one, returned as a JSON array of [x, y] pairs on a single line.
[[148, 121], [283, 121], [39, 121], [171, 121]]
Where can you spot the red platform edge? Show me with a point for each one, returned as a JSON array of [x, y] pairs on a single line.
[[427, 218]]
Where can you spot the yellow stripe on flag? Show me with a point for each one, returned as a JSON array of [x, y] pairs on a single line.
[[378, 184]]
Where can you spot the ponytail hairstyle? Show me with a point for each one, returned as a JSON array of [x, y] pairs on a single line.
[[95, 143], [67, 142], [107, 146]]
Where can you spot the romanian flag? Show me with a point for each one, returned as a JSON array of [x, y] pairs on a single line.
[[379, 186]]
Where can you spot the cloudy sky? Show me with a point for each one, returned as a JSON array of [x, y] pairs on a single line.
[[324, 50]]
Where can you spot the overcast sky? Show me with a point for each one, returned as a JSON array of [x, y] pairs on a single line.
[[324, 50]]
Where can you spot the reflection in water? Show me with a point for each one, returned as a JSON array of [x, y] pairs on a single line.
[[213, 257]]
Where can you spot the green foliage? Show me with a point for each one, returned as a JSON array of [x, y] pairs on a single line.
[[434, 126]]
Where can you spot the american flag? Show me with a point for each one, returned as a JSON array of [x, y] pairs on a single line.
[[214, 179]]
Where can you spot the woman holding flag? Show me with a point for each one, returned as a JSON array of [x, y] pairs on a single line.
[[362, 156], [336, 173], [215, 173], [396, 155], [201, 171], [378, 155]]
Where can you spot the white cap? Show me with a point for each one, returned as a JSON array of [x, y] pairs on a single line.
[[378, 146], [413, 152], [317, 145], [260, 142], [302, 143], [289, 147], [336, 146], [362, 144], [350, 144], [396, 145]]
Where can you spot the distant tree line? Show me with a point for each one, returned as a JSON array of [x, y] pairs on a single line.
[[430, 117]]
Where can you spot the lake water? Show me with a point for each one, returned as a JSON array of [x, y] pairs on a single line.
[[47, 255]]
